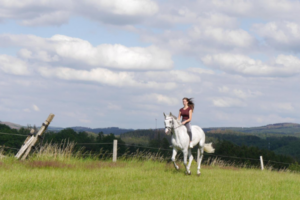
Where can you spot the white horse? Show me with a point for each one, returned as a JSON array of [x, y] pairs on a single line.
[[181, 140]]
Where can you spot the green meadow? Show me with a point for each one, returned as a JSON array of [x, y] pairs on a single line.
[[76, 178]]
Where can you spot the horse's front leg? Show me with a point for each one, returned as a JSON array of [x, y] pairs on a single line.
[[185, 153], [190, 160], [174, 158]]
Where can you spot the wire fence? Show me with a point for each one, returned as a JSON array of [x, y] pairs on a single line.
[[13, 134], [144, 147], [5, 147]]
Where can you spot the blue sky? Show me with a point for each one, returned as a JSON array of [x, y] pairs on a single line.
[[124, 62]]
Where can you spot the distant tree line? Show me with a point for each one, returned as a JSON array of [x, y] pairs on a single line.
[[230, 147]]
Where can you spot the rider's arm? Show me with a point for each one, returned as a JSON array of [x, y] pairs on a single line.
[[179, 116], [190, 117]]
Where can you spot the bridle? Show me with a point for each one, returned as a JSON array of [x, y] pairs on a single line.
[[173, 128]]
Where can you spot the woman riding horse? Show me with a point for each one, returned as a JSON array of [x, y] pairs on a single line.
[[186, 113]]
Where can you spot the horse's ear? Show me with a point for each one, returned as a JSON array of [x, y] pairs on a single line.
[[170, 114], [165, 115]]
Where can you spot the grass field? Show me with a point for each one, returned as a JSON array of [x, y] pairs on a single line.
[[92, 179]]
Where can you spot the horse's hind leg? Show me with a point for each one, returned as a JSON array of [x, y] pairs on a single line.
[[199, 159], [174, 158]]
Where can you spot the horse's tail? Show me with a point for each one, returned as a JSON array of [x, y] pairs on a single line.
[[208, 148]]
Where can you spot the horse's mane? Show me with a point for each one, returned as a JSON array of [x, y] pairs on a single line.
[[175, 118]]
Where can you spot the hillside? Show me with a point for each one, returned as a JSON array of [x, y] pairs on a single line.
[[283, 144], [114, 130], [12, 125], [279, 128]]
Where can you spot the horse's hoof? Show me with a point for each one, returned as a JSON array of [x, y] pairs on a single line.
[[188, 173], [198, 174], [177, 168]]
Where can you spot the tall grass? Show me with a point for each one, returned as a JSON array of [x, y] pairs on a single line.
[[1, 153], [67, 151], [133, 178]]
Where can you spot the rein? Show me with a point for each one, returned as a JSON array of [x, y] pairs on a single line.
[[170, 128]]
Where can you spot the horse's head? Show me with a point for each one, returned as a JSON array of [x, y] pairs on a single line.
[[169, 123]]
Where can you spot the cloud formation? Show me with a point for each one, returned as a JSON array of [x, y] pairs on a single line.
[[282, 35], [74, 51], [55, 12], [103, 76], [238, 59], [282, 66], [12, 65]]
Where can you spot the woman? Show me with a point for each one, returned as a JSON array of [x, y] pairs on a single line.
[[186, 113]]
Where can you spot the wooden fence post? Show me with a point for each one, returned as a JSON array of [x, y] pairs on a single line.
[[115, 149], [31, 141], [261, 162]]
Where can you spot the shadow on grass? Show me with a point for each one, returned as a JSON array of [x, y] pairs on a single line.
[[99, 165], [48, 164]]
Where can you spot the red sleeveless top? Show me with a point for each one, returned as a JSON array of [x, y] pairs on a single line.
[[185, 113]]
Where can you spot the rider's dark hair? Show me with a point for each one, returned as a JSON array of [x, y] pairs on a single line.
[[190, 102]]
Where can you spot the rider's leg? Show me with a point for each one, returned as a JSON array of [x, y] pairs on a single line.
[[189, 130]]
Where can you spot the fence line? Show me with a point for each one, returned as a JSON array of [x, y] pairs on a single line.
[[13, 134], [8, 147], [89, 143], [278, 162], [231, 157], [145, 147]]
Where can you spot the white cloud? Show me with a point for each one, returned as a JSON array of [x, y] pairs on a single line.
[[278, 106], [86, 121], [213, 19], [266, 9], [228, 102], [222, 37], [26, 110], [35, 107], [55, 12], [35, 13], [198, 40], [158, 99], [272, 118], [98, 75], [49, 19], [103, 76], [140, 82], [283, 35], [112, 106], [12, 65], [224, 89], [173, 75], [75, 51], [282, 66], [240, 93], [201, 71], [123, 7]]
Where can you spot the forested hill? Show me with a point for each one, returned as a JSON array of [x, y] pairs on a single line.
[[291, 129], [279, 128], [12, 139], [114, 130], [278, 143], [11, 125]]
